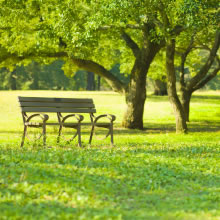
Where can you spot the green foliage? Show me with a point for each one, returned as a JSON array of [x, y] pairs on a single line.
[[214, 84], [36, 76], [151, 174], [157, 69], [92, 29], [116, 70]]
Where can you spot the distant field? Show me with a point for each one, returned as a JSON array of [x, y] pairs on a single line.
[[149, 174]]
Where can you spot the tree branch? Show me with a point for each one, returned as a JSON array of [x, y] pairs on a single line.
[[183, 60], [163, 15], [92, 66], [88, 65], [175, 31], [205, 68], [203, 47], [130, 43], [128, 26], [157, 22], [96, 68], [206, 79]]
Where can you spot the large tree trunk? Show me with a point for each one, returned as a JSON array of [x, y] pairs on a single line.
[[136, 92], [181, 126], [135, 99], [160, 87]]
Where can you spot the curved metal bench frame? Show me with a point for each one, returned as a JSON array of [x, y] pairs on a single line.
[[47, 105]]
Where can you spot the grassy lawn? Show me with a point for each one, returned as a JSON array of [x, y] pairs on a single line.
[[150, 174]]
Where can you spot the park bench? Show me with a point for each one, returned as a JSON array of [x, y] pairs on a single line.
[[32, 107]]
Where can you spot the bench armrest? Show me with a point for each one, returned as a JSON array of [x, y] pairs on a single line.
[[78, 117], [44, 117], [109, 116]]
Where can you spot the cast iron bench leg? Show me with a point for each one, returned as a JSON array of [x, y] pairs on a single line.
[[60, 131], [24, 134], [44, 134], [91, 134], [79, 135], [111, 131]]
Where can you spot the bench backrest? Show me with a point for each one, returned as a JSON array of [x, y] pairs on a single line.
[[63, 105]]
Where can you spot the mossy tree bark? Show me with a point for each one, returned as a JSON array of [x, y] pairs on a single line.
[[136, 91], [135, 96]]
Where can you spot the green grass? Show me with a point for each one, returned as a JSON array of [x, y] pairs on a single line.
[[150, 174]]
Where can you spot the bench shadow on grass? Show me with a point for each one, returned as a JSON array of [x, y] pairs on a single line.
[[133, 191], [149, 128]]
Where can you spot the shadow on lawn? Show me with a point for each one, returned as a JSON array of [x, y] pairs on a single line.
[[194, 126], [204, 126], [136, 188], [195, 98], [205, 98], [150, 128]]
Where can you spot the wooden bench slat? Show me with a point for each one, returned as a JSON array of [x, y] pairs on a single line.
[[45, 99], [57, 109], [57, 104]]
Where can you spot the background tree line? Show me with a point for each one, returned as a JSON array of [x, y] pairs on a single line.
[[36, 76]]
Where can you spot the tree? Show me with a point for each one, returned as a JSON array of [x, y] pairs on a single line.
[[191, 18], [94, 35], [202, 73], [78, 33]]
